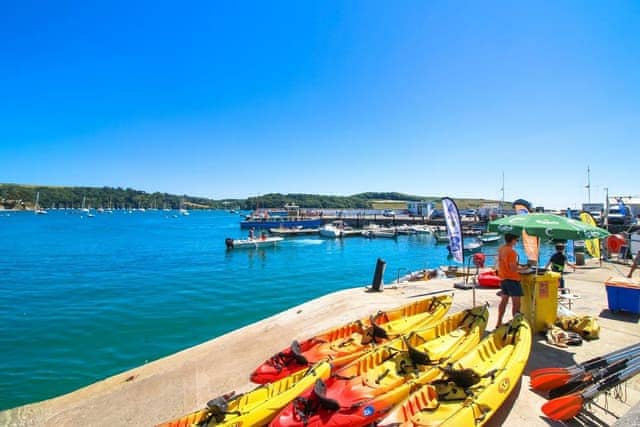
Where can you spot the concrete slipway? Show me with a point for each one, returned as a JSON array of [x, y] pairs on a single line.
[[183, 382]]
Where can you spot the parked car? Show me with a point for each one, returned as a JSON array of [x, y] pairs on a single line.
[[388, 213]]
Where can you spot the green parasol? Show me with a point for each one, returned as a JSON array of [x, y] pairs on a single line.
[[548, 226]]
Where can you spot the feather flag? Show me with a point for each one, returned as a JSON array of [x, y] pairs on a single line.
[[452, 218], [530, 243], [592, 245]]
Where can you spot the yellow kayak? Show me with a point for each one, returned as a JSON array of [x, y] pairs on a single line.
[[346, 343], [469, 391], [364, 390], [256, 407]]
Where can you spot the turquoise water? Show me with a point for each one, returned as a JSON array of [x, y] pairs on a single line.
[[82, 298]]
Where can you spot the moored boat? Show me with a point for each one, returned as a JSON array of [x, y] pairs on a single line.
[[363, 391], [292, 232], [441, 236], [472, 245], [385, 233], [335, 230], [252, 242], [490, 237], [347, 342], [256, 407], [471, 390]]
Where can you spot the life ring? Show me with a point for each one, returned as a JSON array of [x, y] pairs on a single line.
[[489, 279], [479, 259], [615, 242]]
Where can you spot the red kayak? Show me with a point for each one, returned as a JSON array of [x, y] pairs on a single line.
[[365, 390], [489, 279], [346, 343]]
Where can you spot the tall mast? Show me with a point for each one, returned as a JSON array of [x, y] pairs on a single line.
[[502, 190], [588, 186]]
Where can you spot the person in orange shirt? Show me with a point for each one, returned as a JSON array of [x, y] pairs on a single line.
[[509, 272]]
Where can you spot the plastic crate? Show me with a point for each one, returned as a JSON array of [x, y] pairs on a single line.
[[623, 297]]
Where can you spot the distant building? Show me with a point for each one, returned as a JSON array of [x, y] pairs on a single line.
[[489, 210], [421, 208]]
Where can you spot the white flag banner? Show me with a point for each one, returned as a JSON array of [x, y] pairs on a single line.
[[454, 231]]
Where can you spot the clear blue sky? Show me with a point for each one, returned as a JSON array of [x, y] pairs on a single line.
[[236, 99]]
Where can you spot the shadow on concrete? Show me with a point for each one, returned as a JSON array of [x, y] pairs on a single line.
[[545, 355], [582, 419], [623, 316]]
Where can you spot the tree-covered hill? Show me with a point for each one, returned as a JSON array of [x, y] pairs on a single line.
[[16, 196]]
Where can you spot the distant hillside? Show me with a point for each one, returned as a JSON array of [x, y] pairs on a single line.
[[16, 196]]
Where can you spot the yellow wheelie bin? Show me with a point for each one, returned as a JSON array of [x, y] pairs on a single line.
[[540, 300]]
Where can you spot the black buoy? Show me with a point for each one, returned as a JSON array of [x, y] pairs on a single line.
[[229, 242], [376, 285]]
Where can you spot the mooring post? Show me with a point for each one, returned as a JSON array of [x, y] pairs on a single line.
[[378, 276]]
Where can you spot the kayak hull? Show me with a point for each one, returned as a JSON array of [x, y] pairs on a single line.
[[368, 388], [497, 362], [346, 343], [256, 407]]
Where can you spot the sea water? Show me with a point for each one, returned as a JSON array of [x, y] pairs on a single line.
[[83, 298]]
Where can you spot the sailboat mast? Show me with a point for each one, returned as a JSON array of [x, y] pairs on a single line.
[[588, 184], [502, 190]]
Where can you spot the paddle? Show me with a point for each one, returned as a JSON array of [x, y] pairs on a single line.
[[543, 371], [549, 378], [566, 407], [582, 381]]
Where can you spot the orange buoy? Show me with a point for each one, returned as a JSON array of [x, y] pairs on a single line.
[[615, 242]]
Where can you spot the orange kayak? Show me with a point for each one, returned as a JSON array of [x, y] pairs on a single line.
[[346, 343]]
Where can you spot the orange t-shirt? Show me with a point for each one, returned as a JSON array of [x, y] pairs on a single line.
[[507, 261]]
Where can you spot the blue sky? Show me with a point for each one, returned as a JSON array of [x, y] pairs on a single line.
[[236, 99]]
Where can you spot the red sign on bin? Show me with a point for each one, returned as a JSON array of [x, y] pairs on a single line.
[[543, 289]]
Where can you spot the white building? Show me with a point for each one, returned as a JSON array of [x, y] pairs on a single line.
[[421, 208]]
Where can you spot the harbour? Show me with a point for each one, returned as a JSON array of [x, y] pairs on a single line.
[[117, 290], [183, 382]]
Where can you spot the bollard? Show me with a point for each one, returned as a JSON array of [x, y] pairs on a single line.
[[578, 250], [376, 285]]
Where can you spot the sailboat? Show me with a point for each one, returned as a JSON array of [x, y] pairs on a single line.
[[83, 209], [36, 207], [183, 211]]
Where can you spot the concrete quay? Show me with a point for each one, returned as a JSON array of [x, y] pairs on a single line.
[[175, 385]]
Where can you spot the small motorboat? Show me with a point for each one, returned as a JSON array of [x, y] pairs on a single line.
[[441, 236], [382, 233], [490, 237], [405, 229], [252, 242], [472, 245], [334, 230]]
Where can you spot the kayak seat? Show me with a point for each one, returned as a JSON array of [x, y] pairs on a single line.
[[378, 332], [218, 407], [418, 357], [320, 392], [449, 390], [297, 353]]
